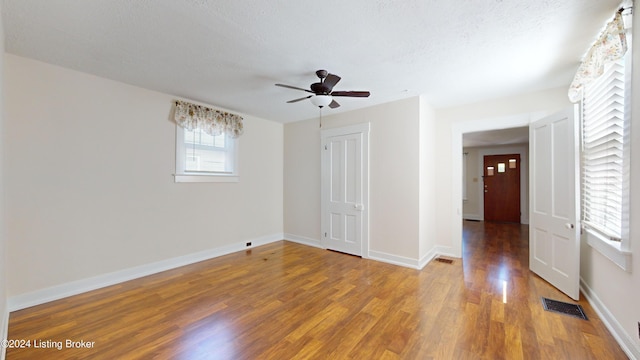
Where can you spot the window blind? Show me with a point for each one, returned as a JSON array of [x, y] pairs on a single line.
[[603, 152]]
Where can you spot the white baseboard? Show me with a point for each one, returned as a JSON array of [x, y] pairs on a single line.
[[4, 329], [373, 255], [436, 252], [432, 254], [617, 331], [379, 255], [446, 251], [394, 259], [303, 240], [475, 217], [57, 292]]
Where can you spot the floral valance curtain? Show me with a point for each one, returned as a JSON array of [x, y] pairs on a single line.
[[213, 122], [610, 46]]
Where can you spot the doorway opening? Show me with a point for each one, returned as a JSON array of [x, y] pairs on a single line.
[[467, 129], [474, 177]]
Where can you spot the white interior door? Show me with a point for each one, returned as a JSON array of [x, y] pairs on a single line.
[[345, 189], [554, 235]]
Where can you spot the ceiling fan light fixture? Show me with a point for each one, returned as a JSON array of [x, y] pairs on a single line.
[[321, 100], [322, 92]]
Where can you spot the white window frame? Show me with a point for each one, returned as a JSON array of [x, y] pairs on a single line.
[[618, 251], [182, 175]]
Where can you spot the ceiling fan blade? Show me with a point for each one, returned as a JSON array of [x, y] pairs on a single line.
[[331, 81], [296, 100], [334, 104], [351, 93], [293, 87]]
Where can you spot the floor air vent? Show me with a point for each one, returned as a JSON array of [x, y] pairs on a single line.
[[564, 308], [446, 261]]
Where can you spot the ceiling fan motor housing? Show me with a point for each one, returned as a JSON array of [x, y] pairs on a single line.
[[320, 89], [322, 74]]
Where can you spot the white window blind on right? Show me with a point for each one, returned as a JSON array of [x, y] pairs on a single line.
[[603, 151]]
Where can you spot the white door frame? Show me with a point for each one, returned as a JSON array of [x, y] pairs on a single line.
[[363, 129], [457, 132]]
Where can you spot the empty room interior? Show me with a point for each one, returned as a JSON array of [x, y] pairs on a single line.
[[357, 180]]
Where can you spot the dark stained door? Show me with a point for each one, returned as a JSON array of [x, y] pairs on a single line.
[[502, 188]]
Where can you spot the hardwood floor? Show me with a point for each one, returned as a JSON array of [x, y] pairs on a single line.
[[290, 301]]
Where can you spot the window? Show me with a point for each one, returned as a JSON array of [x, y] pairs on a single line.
[[201, 157], [605, 126], [603, 151]]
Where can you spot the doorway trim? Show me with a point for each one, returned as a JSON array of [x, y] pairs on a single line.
[[458, 130]]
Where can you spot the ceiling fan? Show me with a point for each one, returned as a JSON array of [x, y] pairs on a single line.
[[323, 91]]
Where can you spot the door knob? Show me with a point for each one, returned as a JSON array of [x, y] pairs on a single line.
[[569, 226], [358, 207]]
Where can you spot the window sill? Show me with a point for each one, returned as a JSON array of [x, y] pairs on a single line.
[[200, 178], [610, 249]]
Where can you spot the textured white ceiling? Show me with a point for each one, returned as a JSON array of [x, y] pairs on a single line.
[[231, 53]]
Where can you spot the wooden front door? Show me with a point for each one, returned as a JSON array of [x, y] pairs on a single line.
[[502, 188]]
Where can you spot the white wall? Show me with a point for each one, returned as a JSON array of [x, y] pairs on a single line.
[[4, 315], [302, 181], [428, 190], [614, 291], [394, 177], [89, 184]]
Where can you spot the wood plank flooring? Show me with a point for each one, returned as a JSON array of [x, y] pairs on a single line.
[[290, 301]]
